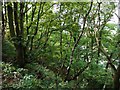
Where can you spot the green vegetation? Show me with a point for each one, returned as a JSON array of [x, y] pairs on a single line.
[[60, 45]]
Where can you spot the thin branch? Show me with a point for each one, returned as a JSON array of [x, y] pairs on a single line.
[[100, 30], [28, 27], [107, 56], [117, 16], [28, 9], [79, 72], [76, 43], [36, 29]]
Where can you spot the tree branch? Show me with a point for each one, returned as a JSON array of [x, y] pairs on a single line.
[[36, 29], [76, 43], [10, 19], [16, 18], [78, 73]]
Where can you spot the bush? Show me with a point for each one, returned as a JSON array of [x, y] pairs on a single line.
[[8, 51]]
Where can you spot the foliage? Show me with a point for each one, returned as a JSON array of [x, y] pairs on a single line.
[[59, 45], [8, 49]]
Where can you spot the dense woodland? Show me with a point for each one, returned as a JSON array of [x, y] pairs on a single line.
[[61, 45]]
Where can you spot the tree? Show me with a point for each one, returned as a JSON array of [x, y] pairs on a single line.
[[117, 73], [17, 35], [75, 41]]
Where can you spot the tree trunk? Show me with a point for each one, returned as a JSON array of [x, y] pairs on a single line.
[[20, 55], [16, 37], [117, 79]]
